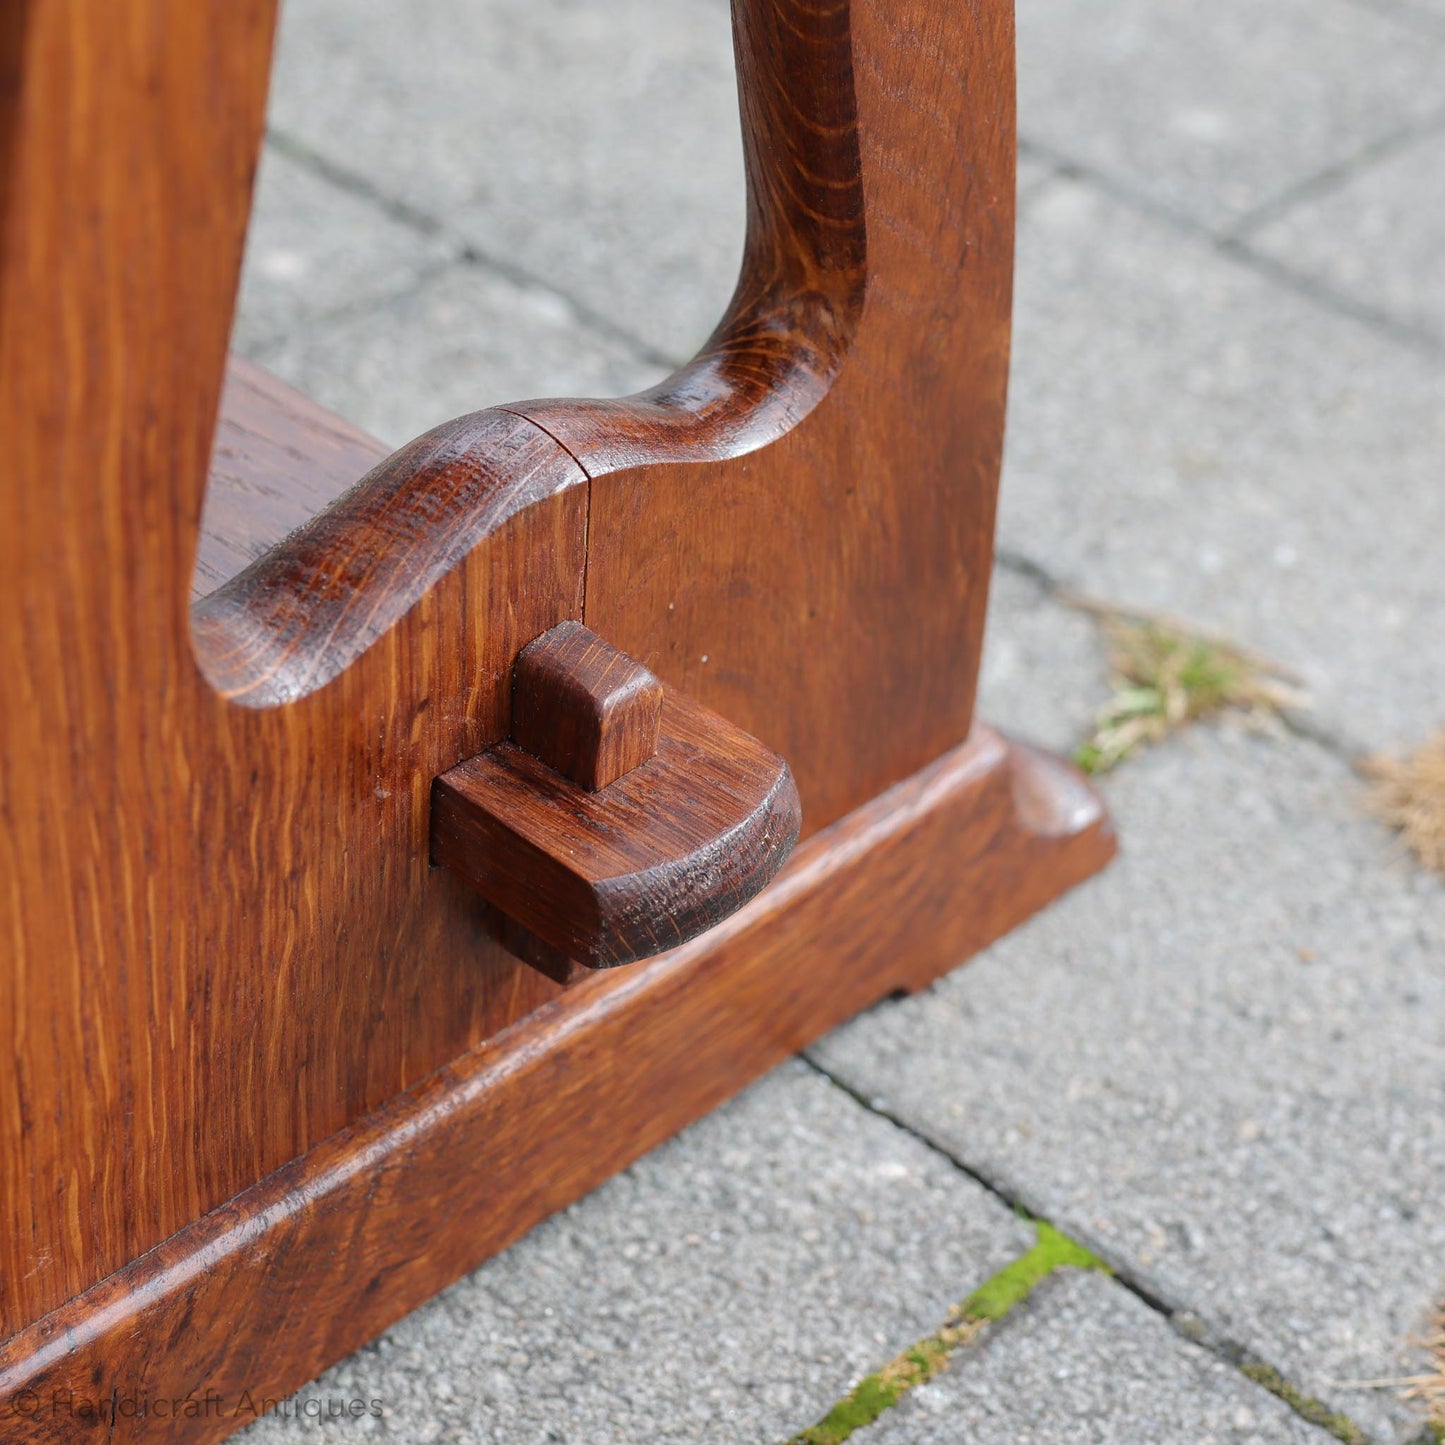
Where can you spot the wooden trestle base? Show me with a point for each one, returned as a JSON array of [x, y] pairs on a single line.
[[260, 1295]]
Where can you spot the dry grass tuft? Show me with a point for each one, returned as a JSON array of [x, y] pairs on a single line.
[[1430, 1389], [1408, 794], [1165, 675]]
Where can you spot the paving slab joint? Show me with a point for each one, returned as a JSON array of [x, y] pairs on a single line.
[[1419, 339], [988, 1305], [345, 311], [1295, 720], [1331, 177], [880, 1391], [1333, 1422], [467, 252]]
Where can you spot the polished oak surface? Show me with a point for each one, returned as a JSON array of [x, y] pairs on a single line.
[[225, 942], [645, 864], [313, 1261], [584, 707]]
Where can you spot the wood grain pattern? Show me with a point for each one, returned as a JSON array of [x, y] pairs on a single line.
[[551, 962], [307, 609], [314, 1260], [278, 460], [14, 22], [584, 707], [827, 590], [225, 944], [645, 864], [764, 525], [223, 937]]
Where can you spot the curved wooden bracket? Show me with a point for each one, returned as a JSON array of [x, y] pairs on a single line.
[[299, 615], [761, 526]]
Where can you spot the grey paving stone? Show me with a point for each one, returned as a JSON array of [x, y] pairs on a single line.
[[463, 339], [1378, 237], [1083, 1362], [1222, 1063], [596, 146], [1429, 13], [1215, 109], [1033, 171], [315, 249], [725, 1288], [1044, 672], [1186, 434]]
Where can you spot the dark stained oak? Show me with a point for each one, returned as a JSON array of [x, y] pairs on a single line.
[[310, 606], [797, 528], [550, 962], [14, 20], [763, 524], [317, 1258], [584, 707], [278, 460], [658, 856], [268, 1077], [224, 940]]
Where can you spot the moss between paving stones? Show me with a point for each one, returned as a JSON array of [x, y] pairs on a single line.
[[1305, 1406], [920, 1362], [992, 1301]]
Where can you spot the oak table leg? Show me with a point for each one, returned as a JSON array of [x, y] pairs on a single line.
[[225, 707]]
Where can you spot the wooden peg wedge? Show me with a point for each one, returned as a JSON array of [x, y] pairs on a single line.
[[610, 874], [583, 707]]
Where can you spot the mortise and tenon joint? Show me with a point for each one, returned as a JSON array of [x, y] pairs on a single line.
[[583, 707], [621, 818]]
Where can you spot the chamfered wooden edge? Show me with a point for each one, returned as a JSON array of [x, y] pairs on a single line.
[[302, 1268], [662, 854], [277, 460]]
